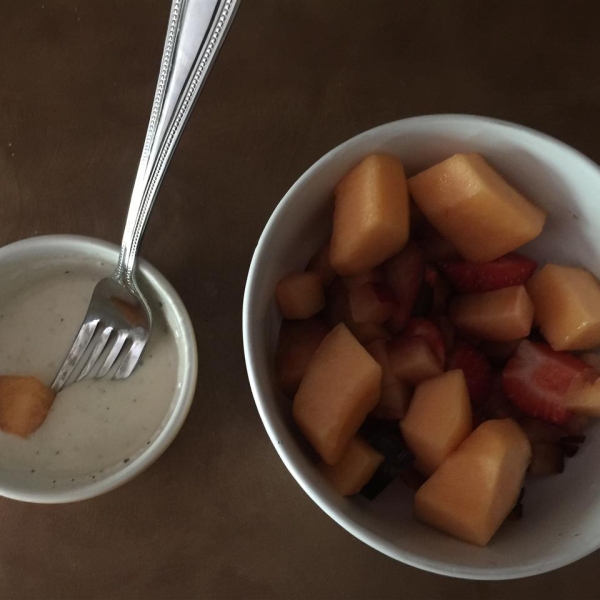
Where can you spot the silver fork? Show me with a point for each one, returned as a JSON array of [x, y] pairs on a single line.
[[118, 322]]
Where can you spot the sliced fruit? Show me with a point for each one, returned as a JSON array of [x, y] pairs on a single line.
[[447, 330], [506, 271], [371, 217], [371, 303], [24, 404], [500, 316], [472, 206], [357, 465], [395, 395], [478, 485], [298, 341], [341, 386], [546, 459], [438, 420], [339, 311], [475, 366], [300, 295], [372, 276], [536, 379], [321, 264], [426, 328], [404, 276], [413, 360], [592, 359], [583, 396], [567, 306]]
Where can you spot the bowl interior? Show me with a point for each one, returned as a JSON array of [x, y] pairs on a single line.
[[27, 262], [562, 513]]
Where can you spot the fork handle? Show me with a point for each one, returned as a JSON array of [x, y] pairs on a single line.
[[196, 31]]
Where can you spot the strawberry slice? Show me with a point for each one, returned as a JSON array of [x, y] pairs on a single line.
[[426, 328], [404, 276], [536, 380], [476, 368], [506, 271]]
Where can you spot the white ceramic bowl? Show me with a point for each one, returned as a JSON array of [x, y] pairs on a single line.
[[27, 254], [562, 513]]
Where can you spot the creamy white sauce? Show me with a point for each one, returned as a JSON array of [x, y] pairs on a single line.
[[96, 424]]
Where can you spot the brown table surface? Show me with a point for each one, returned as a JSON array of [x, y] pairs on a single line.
[[218, 516]]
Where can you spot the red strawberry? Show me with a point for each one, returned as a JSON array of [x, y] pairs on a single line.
[[511, 269], [426, 328], [476, 368], [536, 380], [404, 275]]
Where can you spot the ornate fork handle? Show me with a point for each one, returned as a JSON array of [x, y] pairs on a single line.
[[195, 33]]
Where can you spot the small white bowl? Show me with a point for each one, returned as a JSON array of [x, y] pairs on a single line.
[[56, 248], [562, 513]]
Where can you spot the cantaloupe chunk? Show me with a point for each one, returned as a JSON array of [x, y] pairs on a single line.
[[478, 485], [373, 276], [583, 397], [371, 217], [413, 359], [298, 341], [438, 420], [300, 295], [341, 386], [474, 208], [500, 316], [371, 303], [395, 394], [24, 404], [567, 306], [353, 471]]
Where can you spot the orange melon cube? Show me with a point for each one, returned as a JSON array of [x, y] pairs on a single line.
[[395, 395], [371, 216], [438, 420], [353, 471], [474, 208], [24, 404], [583, 397], [567, 306], [372, 276], [300, 295], [371, 303], [298, 341], [413, 360], [340, 388], [478, 485], [499, 316]]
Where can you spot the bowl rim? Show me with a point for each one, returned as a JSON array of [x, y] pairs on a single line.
[[184, 391], [248, 326]]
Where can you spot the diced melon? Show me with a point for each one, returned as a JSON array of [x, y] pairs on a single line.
[[24, 404], [366, 333], [500, 316], [298, 341], [438, 420], [372, 276], [474, 208], [371, 303], [371, 217], [342, 384], [395, 395], [478, 485], [300, 295], [321, 264], [353, 471], [413, 360], [583, 396], [567, 306]]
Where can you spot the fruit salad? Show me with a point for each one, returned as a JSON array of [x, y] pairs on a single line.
[[420, 345]]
